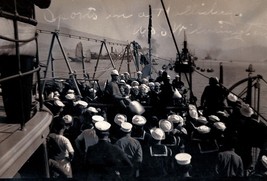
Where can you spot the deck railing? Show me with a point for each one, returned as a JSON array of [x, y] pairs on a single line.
[[18, 18]]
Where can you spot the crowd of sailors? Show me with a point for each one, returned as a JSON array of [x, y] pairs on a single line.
[[147, 131], [137, 137]]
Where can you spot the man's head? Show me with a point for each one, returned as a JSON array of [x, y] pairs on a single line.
[[114, 74], [126, 128], [213, 81], [102, 129]]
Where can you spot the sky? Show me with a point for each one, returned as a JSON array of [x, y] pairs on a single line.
[[211, 26]]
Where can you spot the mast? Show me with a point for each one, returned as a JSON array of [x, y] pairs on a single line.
[[173, 37], [179, 55], [149, 38], [185, 44]]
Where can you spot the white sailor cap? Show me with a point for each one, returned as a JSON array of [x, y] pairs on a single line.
[[92, 109], [135, 87], [114, 72], [126, 127], [191, 106], [70, 96], [102, 126], [134, 83], [92, 90], [219, 125], [56, 98], [231, 97], [59, 103], [214, 118], [157, 84], [50, 96], [193, 113], [128, 86], [264, 160], [56, 93], [145, 81], [165, 125], [151, 84], [222, 114], [67, 119], [176, 119], [183, 158], [136, 107], [139, 72], [122, 82], [184, 131], [157, 133], [202, 119], [139, 120], [81, 103], [246, 110], [203, 129], [97, 118], [119, 119], [70, 91]]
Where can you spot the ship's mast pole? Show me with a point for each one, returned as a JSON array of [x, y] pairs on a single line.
[[149, 38], [128, 58], [173, 37], [179, 55]]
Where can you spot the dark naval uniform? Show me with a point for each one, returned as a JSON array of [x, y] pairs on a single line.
[[107, 162]]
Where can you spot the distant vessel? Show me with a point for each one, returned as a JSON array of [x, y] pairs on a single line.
[[88, 55], [185, 62], [79, 56], [208, 57], [154, 62]]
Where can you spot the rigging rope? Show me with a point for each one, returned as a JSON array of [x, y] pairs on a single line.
[[202, 74], [111, 42], [19, 41], [263, 80]]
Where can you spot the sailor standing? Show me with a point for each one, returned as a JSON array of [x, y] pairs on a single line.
[[114, 96], [158, 162], [105, 161], [131, 147], [60, 150]]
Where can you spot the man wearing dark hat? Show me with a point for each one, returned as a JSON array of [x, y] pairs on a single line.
[[212, 99], [105, 161], [130, 146]]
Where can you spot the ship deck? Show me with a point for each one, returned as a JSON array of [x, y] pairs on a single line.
[[16, 144]]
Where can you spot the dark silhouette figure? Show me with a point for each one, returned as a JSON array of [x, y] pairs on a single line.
[[212, 99]]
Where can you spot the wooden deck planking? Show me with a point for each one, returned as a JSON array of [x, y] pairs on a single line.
[[7, 130], [18, 145]]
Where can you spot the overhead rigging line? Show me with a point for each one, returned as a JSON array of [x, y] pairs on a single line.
[[111, 42]]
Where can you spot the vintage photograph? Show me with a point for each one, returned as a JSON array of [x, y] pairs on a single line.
[[133, 90]]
